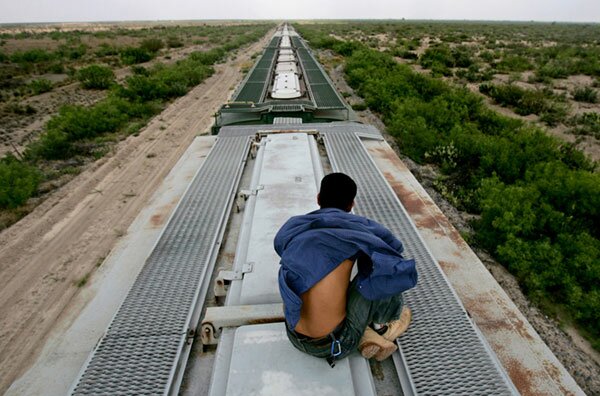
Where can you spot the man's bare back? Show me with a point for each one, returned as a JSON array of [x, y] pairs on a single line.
[[324, 304]]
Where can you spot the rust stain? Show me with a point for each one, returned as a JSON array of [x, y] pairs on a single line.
[[157, 220], [492, 321], [391, 156], [266, 320], [409, 199], [416, 207], [448, 266], [522, 377], [228, 256], [554, 372]]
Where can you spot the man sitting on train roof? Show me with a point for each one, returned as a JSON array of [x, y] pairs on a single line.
[[329, 315]]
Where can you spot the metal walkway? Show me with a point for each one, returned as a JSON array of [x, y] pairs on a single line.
[[319, 85], [254, 87], [442, 352], [144, 348]]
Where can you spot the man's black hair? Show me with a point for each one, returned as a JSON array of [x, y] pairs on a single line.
[[338, 190]]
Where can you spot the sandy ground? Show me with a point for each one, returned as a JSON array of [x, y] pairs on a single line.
[[571, 349], [47, 256]]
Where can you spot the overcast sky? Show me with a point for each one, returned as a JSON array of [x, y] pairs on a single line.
[[123, 10]]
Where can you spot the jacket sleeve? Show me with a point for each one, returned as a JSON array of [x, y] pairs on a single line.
[[386, 236]]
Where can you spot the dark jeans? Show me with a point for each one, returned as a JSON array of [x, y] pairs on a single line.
[[360, 312]]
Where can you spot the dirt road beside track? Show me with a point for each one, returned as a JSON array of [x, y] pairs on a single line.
[[47, 257]]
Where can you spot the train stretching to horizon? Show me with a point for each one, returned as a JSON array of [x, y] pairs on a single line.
[[285, 82], [204, 314]]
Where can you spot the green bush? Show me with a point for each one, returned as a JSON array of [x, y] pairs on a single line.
[[106, 49], [95, 77], [514, 63], [586, 124], [528, 101], [32, 56], [72, 52], [133, 55], [443, 58], [152, 45], [359, 106], [174, 42], [75, 123], [475, 74], [52, 144], [208, 57], [165, 82], [40, 86], [18, 182], [585, 94]]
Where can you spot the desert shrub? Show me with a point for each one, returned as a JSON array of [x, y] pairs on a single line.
[[75, 123], [40, 86], [514, 63], [106, 49], [72, 52], [544, 229], [475, 73], [554, 113], [152, 45], [585, 94], [208, 57], [165, 82], [79, 122], [133, 55], [18, 182], [527, 101], [440, 55], [52, 144], [586, 124], [359, 106], [462, 56], [443, 57], [56, 67], [95, 77], [553, 69], [174, 42], [141, 70], [407, 54], [487, 56], [20, 109], [32, 56]]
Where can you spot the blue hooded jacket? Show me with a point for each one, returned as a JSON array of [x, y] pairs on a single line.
[[314, 244]]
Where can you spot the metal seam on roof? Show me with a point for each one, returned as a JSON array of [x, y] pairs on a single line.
[[141, 349], [442, 350]]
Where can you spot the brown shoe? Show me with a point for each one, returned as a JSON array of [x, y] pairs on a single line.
[[373, 345], [397, 327]]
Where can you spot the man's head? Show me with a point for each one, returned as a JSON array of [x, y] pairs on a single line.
[[337, 191]]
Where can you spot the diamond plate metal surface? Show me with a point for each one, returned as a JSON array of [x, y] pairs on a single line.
[[142, 346], [325, 95], [442, 350], [257, 81]]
